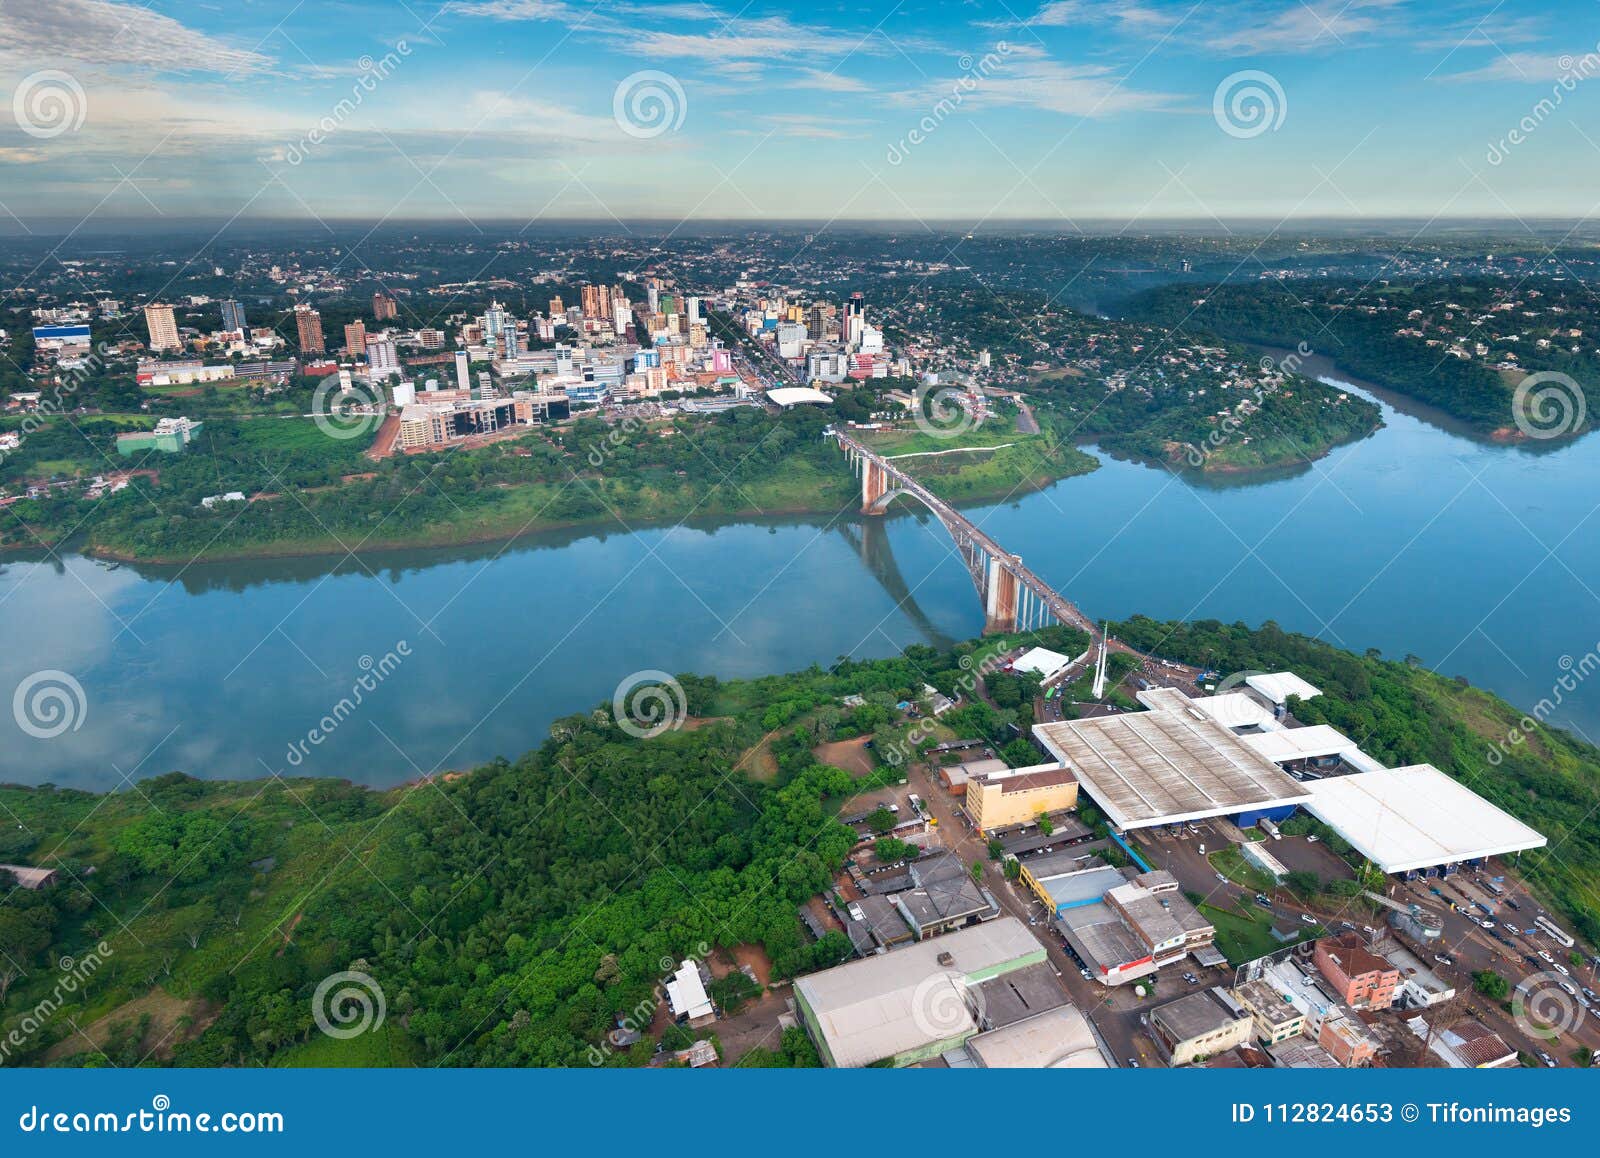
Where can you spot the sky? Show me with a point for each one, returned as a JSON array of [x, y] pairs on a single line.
[[973, 113]]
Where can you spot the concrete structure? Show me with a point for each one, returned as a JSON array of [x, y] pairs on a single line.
[[944, 897], [1165, 766], [308, 324], [788, 396], [1058, 1038], [1042, 662], [913, 1003], [1198, 1026], [1416, 817], [1277, 687], [1468, 1045], [1358, 976], [1018, 795], [163, 326], [1276, 1015], [169, 436]]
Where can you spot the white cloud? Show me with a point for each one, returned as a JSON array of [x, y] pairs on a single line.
[[100, 32], [816, 78], [1025, 77], [1303, 27], [1523, 67]]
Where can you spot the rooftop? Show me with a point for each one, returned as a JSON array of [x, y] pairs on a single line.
[[1416, 817], [1279, 686], [1058, 1038], [1163, 766], [1194, 1015]]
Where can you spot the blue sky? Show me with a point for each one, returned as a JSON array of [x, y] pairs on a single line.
[[967, 112]]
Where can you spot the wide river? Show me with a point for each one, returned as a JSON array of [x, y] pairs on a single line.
[[1481, 560]]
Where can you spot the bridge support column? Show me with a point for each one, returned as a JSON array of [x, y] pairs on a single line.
[[1000, 599], [874, 482]]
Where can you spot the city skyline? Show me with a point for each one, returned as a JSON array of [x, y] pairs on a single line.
[[530, 110]]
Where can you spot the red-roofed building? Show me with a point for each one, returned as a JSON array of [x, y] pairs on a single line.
[[1362, 979]]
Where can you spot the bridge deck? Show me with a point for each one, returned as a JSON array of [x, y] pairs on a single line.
[[961, 527]]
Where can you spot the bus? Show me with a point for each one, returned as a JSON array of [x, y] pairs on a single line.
[[1555, 932]]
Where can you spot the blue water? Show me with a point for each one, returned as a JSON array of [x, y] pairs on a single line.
[[1481, 560]]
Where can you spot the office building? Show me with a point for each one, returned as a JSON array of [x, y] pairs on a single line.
[[384, 308], [355, 338], [233, 317]]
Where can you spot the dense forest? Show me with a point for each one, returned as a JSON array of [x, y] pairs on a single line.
[[1398, 336]]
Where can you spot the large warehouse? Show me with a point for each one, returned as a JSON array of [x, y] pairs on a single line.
[[1416, 817], [1169, 765], [913, 1003]]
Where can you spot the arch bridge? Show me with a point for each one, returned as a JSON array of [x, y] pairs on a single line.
[[1013, 597]]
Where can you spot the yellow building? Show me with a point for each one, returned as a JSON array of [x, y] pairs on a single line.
[[1017, 795]]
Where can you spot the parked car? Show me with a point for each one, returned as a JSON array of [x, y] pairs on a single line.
[[1313, 838], [1544, 955], [1444, 959], [1307, 919], [1222, 878], [1263, 900], [1547, 1059], [1087, 976]]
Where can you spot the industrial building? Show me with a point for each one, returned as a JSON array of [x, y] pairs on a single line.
[[1058, 1038], [1014, 796], [915, 1002], [1067, 880], [1416, 817], [1169, 765]]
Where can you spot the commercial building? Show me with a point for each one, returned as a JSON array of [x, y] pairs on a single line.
[[169, 436], [1042, 662], [355, 338], [383, 359], [1198, 1026], [233, 317], [163, 326], [913, 1003], [1067, 880], [384, 308], [1416, 817], [182, 373], [789, 396], [1276, 1014], [1017, 795], [1136, 928], [436, 422], [1169, 765], [1359, 976]]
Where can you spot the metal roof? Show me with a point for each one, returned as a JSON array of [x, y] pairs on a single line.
[[1160, 767], [1416, 817]]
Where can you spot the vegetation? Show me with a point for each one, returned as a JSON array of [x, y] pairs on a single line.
[[1491, 985]]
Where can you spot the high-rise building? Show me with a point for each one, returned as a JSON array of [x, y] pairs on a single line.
[[384, 308], [233, 317], [355, 337], [556, 308], [163, 324], [382, 359], [463, 371], [854, 320], [309, 323]]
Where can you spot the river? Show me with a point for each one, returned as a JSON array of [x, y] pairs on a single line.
[[1482, 560]]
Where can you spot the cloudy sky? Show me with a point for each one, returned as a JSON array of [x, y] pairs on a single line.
[[971, 112]]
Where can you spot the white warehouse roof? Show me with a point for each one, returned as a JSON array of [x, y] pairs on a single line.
[[1042, 660], [1163, 766], [1279, 686], [787, 396], [1416, 817], [1311, 743]]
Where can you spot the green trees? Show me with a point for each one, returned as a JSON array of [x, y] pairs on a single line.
[[1491, 984]]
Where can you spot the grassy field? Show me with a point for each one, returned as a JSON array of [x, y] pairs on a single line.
[[1243, 935], [1230, 863]]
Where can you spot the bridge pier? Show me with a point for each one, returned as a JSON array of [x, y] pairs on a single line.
[[1000, 598], [874, 482]]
